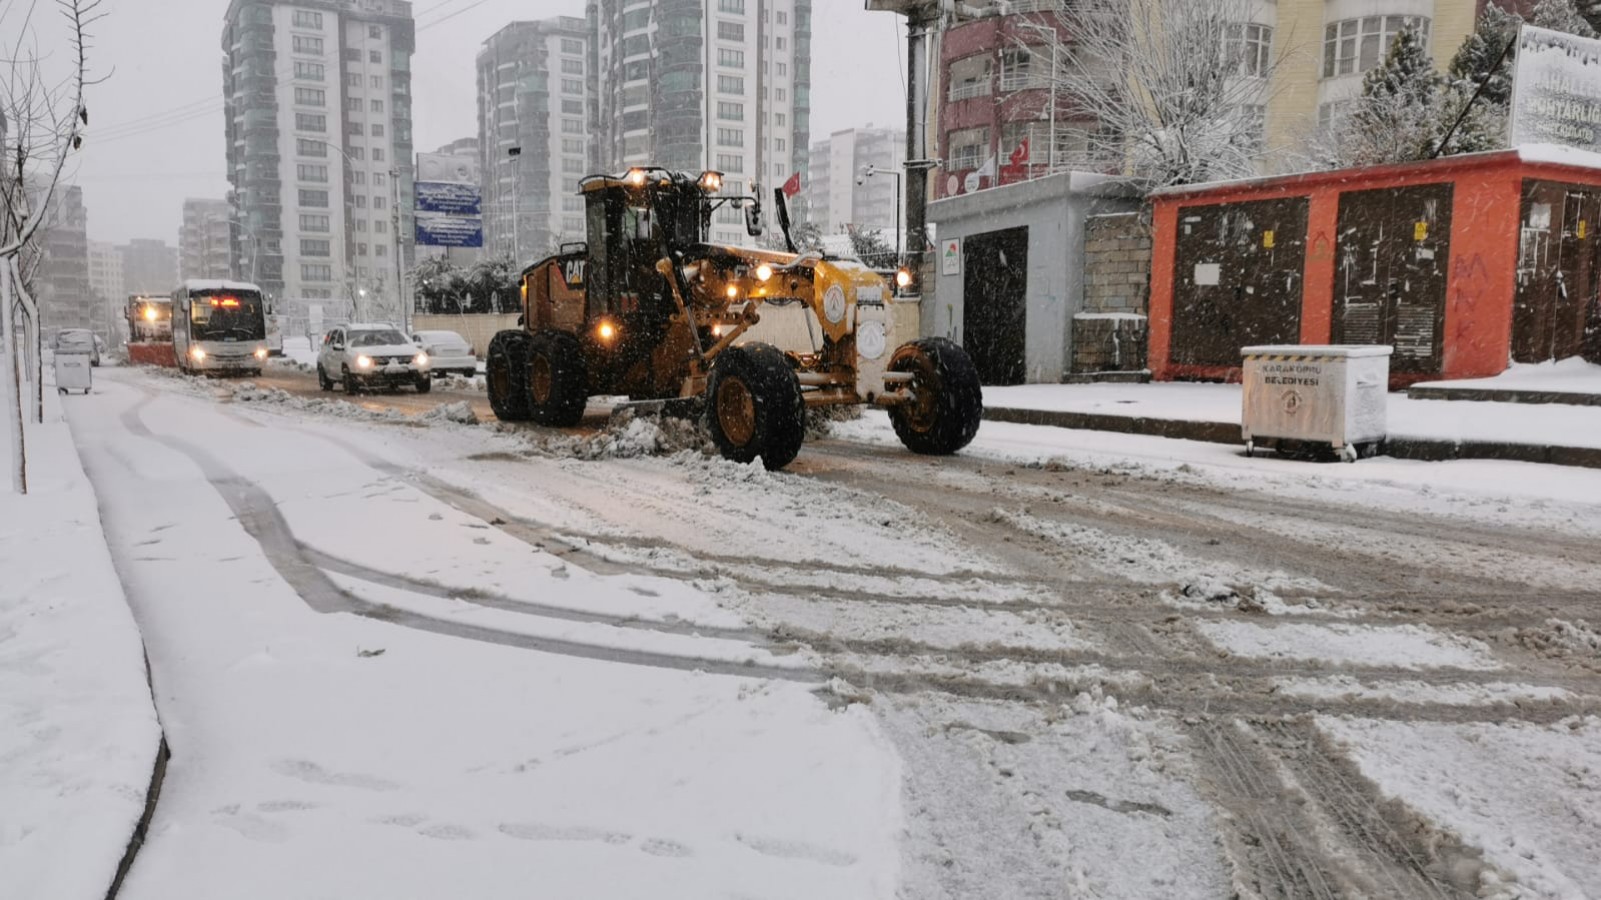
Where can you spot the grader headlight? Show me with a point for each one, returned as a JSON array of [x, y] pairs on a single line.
[[903, 278], [711, 182], [636, 177], [606, 331], [764, 272]]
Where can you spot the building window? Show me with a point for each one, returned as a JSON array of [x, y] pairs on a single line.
[[377, 130], [730, 31], [572, 204], [779, 93], [969, 77], [361, 225], [314, 199], [572, 45], [316, 272], [313, 222], [300, 43], [635, 45], [778, 145], [358, 177], [352, 54], [377, 203], [1250, 44], [733, 58], [311, 172], [374, 56], [635, 19], [353, 79], [310, 148], [572, 145], [783, 68], [352, 104], [1017, 70], [572, 67], [731, 84], [355, 129], [357, 152], [379, 226], [731, 6], [310, 122], [376, 106], [968, 149], [1357, 45], [731, 137], [380, 250], [305, 18], [376, 32], [572, 165], [311, 96], [377, 154], [376, 82], [360, 201], [310, 71], [734, 112], [572, 85], [572, 126], [778, 118], [361, 249], [315, 247], [778, 42], [572, 107], [730, 162]]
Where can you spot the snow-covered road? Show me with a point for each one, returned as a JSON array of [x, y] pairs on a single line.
[[1069, 664], [419, 733]]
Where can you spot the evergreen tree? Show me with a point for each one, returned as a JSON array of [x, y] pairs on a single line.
[[1562, 15], [1479, 60], [1397, 117]]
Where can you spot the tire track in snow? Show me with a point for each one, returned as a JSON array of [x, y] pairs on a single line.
[[258, 514]]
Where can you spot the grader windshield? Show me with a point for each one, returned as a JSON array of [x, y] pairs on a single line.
[[634, 221]]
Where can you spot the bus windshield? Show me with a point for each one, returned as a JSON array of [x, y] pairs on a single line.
[[226, 315]]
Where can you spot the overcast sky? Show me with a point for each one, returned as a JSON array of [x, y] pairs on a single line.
[[157, 130]]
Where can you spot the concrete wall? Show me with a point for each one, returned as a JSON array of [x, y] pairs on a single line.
[[1109, 335], [1054, 210], [477, 328]]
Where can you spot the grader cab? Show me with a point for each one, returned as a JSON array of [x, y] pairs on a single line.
[[647, 308]]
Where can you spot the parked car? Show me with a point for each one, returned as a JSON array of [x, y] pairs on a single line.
[[448, 352], [79, 340], [361, 355]]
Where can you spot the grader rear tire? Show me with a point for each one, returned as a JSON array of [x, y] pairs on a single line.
[[558, 379], [754, 406], [506, 375], [948, 404]]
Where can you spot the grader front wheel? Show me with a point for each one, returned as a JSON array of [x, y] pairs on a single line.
[[754, 406], [946, 405]]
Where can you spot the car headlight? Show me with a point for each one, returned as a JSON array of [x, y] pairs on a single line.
[[363, 362], [261, 353], [197, 353], [420, 359]]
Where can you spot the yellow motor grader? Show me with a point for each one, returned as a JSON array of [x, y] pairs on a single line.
[[647, 308]]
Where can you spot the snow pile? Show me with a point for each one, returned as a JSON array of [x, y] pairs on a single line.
[[454, 382], [820, 420], [250, 393], [1561, 638], [1345, 687], [1398, 646], [1527, 795], [78, 731], [460, 412], [627, 436]]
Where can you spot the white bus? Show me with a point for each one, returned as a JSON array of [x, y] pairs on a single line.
[[219, 326]]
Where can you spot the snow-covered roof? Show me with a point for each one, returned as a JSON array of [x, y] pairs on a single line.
[[1560, 155], [217, 284]]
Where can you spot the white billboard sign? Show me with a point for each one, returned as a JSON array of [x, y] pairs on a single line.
[[1556, 90]]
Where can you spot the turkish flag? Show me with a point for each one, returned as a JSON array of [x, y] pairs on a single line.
[[792, 186], [1020, 155]]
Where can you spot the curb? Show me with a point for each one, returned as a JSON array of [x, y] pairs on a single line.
[[158, 776], [1423, 449], [1503, 396]]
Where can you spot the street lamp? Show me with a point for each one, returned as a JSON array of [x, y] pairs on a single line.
[[869, 171]]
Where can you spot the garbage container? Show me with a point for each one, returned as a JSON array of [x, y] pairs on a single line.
[[73, 371], [1317, 395]]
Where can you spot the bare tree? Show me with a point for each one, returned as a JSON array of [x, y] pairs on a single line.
[[40, 124], [1176, 89]]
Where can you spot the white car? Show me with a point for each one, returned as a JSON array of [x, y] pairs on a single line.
[[363, 355], [448, 352]]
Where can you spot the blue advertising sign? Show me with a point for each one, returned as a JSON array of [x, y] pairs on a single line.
[[441, 230], [451, 198]]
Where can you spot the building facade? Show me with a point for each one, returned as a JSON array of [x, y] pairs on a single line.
[[704, 84], [534, 83], [994, 96], [203, 240], [105, 271], [61, 280], [318, 110], [841, 196], [149, 266]]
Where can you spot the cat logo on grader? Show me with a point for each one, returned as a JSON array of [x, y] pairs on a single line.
[[649, 309]]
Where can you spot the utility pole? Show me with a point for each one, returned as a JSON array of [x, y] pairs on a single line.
[[515, 154], [400, 280]]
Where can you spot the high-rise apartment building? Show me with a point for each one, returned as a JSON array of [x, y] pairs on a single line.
[[203, 240], [705, 84], [533, 135], [105, 271], [61, 281], [148, 266], [318, 108], [839, 193]]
